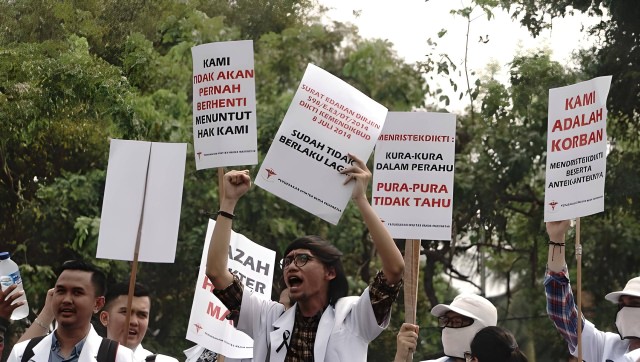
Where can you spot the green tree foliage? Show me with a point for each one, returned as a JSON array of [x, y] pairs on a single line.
[[77, 73], [499, 193], [616, 53], [607, 237], [499, 187]]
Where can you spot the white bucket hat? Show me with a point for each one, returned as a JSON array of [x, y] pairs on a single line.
[[472, 306], [632, 288]]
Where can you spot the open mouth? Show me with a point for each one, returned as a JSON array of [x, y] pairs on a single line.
[[66, 311], [294, 281]]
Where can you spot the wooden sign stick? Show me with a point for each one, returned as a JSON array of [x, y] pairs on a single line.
[[411, 273], [136, 252], [220, 358], [579, 277]]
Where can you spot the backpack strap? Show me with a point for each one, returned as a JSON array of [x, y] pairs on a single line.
[[28, 351], [107, 351]]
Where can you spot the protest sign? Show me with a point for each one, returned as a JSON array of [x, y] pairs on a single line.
[[327, 120], [208, 326], [224, 105], [200, 354], [144, 181], [413, 174], [576, 150]]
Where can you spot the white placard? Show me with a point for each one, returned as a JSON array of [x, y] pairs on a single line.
[[142, 174], [576, 150], [224, 105], [254, 265], [327, 120], [413, 174]]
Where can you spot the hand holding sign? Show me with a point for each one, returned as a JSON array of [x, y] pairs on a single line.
[[392, 261], [557, 230], [361, 174], [326, 118]]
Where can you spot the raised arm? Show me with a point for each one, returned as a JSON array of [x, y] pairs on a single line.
[[557, 231], [561, 306], [392, 261], [236, 184], [40, 326]]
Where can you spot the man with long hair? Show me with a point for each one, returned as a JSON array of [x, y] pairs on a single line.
[[323, 324]]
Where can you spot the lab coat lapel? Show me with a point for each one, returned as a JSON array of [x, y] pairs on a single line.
[[325, 327], [90, 349], [41, 350], [280, 337]]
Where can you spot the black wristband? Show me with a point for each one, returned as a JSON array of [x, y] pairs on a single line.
[[226, 214], [554, 245]]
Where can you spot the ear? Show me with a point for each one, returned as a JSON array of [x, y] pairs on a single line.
[[104, 318], [99, 303], [329, 273]]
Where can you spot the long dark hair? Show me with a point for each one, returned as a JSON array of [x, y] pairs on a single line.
[[496, 344], [330, 256]]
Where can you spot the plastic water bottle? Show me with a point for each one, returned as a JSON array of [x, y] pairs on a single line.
[[10, 274]]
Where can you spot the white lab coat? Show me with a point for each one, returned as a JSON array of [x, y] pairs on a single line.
[[632, 356], [598, 346], [140, 354], [343, 334], [89, 351]]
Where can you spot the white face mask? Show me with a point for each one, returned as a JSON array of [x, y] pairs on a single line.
[[457, 341], [628, 322]]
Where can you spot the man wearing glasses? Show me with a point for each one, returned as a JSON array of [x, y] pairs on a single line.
[[323, 324], [460, 321], [561, 308]]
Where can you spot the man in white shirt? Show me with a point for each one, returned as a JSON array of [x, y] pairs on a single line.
[[78, 294], [323, 324], [113, 317]]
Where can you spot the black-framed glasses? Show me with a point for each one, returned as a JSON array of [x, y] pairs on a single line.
[[458, 321], [468, 357], [299, 260]]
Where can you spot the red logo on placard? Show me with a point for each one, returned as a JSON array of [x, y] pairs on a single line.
[[198, 327], [199, 153], [553, 205], [270, 173]]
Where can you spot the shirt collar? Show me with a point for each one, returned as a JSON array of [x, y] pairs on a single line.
[[55, 345], [309, 320]]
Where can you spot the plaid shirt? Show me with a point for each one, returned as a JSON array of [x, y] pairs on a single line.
[[561, 306], [303, 336], [305, 328]]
